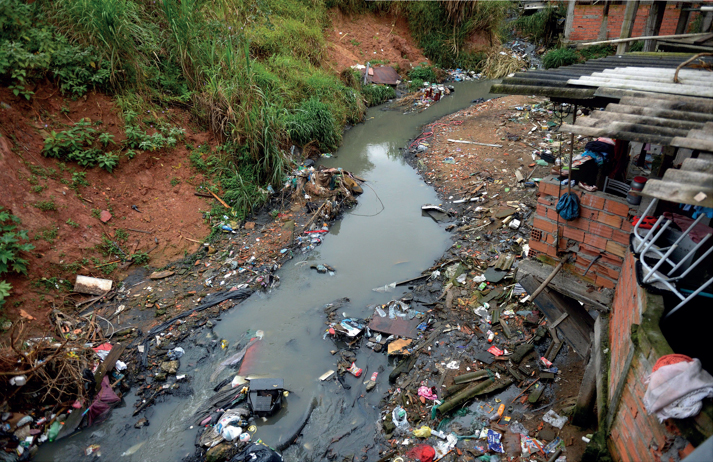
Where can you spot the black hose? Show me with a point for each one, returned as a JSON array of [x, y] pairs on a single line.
[[215, 298]]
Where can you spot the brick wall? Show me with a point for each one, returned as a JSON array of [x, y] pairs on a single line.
[[588, 19], [634, 435], [602, 229]]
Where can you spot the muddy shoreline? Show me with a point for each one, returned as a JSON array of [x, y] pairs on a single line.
[[443, 311]]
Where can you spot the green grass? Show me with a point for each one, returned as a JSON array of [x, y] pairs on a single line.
[[560, 57], [377, 94], [46, 206]]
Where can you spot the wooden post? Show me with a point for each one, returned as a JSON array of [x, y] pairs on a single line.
[[604, 27], [627, 25], [653, 23], [569, 22], [683, 17], [707, 22]]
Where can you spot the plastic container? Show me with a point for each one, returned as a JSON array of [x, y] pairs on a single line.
[[637, 185]]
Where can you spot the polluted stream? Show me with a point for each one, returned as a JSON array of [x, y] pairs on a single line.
[[383, 239]]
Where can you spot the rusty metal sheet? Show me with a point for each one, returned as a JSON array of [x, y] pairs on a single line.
[[397, 326], [384, 75]]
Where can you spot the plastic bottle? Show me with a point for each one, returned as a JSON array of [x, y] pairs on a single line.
[[54, 430]]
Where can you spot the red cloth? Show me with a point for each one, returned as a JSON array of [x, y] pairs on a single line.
[[99, 410], [423, 453]]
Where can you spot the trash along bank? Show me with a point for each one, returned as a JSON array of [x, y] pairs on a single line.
[[372, 246]]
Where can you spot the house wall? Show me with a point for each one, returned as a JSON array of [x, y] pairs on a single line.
[[602, 229], [587, 21], [634, 434]]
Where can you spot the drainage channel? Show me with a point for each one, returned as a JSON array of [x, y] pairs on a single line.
[[381, 240]]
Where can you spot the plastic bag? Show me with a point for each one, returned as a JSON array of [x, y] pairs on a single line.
[[257, 452], [231, 433], [422, 453], [568, 206], [176, 353], [518, 428], [400, 419], [555, 419], [423, 432]]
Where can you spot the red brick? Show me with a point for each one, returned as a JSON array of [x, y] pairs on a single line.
[[593, 201], [539, 246], [549, 189], [626, 226], [600, 230], [616, 208], [612, 260], [551, 251], [589, 250], [595, 241], [572, 233], [611, 220], [550, 239], [604, 282], [552, 214], [616, 249], [606, 271], [541, 210], [589, 214], [543, 201], [579, 223], [545, 225], [621, 237]]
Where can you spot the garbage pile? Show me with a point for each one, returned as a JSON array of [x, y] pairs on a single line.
[[476, 365], [227, 419], [422, 99], [68, 383], [462, 75]]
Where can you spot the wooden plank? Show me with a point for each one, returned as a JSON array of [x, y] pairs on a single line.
[[108, 363], [576, 328], [568, 284]]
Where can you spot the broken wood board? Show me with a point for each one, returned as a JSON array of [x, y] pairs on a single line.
[[400, 347], [576, 328], [108, 364], [567, 284], [397, 326], [92, 286]]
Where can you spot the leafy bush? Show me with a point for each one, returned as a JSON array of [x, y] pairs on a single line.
[[377, 94], [10, 247], [541, 27], [559, 57], [425, 73], [313, 121], [416, 84], [597, 51], [31, 50], [76, 144]]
